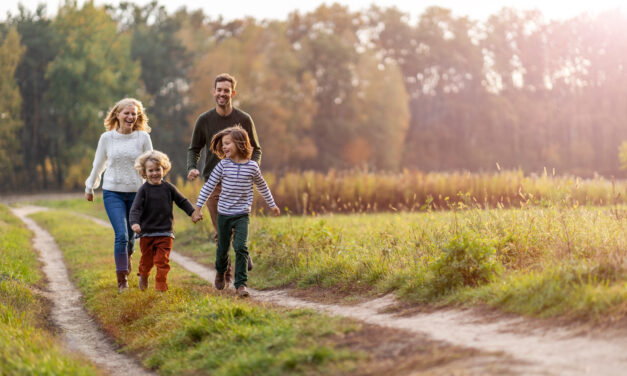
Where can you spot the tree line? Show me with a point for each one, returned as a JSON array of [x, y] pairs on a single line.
[[331, 88]]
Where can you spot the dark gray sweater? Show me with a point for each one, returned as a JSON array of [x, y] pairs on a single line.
[[210, 123], [152, 208]]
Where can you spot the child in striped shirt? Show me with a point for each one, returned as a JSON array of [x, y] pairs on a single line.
[[238, 173]]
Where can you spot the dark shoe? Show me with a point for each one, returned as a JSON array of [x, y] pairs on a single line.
[[242, 292], [143, 282], [219, 282], [122, 281], [250, 263]]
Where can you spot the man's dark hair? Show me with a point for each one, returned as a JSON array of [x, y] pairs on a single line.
[[225, 77]]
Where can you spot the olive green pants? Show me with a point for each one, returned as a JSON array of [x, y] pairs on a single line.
[[237, 225]]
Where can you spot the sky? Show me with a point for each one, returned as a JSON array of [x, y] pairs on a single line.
[[279, 9]]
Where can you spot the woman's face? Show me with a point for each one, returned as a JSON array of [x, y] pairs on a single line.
[[127, 118]]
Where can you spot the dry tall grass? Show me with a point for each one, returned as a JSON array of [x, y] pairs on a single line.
[[364, 192]]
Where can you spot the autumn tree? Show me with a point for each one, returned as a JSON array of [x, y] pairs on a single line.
[[360, 99], [381, 108], [272, 87], [165, 61]]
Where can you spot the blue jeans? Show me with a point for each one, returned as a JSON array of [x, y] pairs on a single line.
[[118, 206]]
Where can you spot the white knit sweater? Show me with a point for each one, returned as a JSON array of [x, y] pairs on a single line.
[[116, 154]]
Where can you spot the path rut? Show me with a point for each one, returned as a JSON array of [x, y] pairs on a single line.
[[80, 332]]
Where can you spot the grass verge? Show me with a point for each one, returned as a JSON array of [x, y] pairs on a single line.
[[27, 344]]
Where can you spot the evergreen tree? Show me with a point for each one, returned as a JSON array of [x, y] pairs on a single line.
[[37, 36], [93, 70], [10, 101]]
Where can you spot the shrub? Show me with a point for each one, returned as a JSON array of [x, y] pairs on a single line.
[[466, 260]]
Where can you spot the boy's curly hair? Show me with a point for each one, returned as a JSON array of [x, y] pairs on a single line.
[[154, 156], [239, 137]]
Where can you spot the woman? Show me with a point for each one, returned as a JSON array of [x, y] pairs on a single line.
[[126, 138]]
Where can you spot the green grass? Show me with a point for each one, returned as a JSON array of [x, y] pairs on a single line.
[[547, 262], [188, 330], [27, 347], [554, 261], [93, 208], [192, 236]]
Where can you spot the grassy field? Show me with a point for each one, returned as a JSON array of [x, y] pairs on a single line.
[[562, 260], [568, 262], [188, 330], [27, 344], [192, 329]]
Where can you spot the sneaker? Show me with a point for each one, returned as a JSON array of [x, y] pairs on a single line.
[[143, 282], [250, 263], [219, 282], [242, 292]]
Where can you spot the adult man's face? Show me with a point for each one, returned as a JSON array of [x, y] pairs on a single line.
[[223, 92]]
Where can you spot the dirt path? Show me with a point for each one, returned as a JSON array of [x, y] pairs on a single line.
[[536, 350], [539, 350], [545, 351], [79, 331]]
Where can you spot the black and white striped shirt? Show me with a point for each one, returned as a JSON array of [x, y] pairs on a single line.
[[237, 187]]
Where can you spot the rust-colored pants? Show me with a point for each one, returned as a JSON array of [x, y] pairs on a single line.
[[156, 251]]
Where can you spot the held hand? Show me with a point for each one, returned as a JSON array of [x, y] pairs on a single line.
[[193, 174], [197, 215], [276, 211], [136, 228], [89, 196]]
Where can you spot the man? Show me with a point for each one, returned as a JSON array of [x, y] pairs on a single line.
[[223, 116]]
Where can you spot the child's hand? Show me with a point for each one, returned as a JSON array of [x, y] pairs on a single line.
[[197, 215], [136, 228], [276, 211]]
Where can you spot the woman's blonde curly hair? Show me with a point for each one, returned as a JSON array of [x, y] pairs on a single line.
[[141, 124]]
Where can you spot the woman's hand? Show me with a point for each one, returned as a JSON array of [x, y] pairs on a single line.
[[136, 228], [276, 211], [89, 196]]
